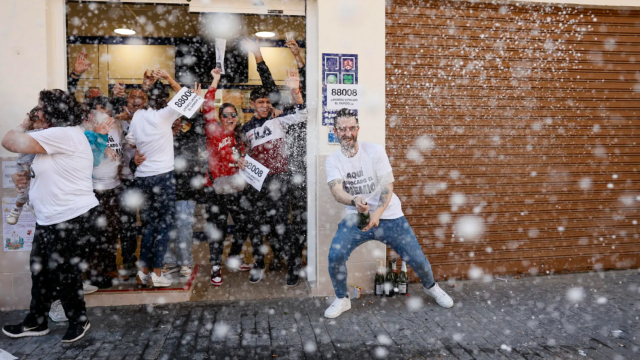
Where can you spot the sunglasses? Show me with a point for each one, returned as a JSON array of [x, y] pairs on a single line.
[[228, 115]]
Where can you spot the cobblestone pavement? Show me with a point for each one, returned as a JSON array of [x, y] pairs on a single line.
[[575, 316]]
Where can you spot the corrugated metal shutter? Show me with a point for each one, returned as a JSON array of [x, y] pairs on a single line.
[[526, 116]]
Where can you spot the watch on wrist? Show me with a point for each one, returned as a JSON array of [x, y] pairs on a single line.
[[353, 201], [75, 74]]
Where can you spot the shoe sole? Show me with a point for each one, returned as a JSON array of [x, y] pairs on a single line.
[[87, 292], [161, 285], [215, 284], [294, 285], [170, 271], [11, 223], [255, 282], [79, 336], [26, 333], [237, 269], [338, 314]]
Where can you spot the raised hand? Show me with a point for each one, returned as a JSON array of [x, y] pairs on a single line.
[[293, 47], [82, 64], [293, 80], [147, 79], [161, 74], [252, 46], [124, 116], [197, 88], [216, 73], [103, 128], [118, 89]]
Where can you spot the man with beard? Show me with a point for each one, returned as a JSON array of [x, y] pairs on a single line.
[[360, 177]]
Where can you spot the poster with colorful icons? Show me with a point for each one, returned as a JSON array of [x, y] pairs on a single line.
[[18, 237], [336, 69]]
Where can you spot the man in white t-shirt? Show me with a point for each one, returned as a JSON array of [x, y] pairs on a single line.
[[360, 177]]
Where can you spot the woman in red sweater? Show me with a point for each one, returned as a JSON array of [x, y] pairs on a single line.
[[224, 189]]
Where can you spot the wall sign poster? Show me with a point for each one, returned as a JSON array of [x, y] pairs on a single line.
[[8, 168], [337, 69], [18, 237]]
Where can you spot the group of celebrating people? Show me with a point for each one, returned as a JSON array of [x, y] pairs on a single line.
[[90, 166]]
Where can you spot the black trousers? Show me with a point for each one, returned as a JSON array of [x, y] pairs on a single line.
[[299, 209], [128, 228], [57, 254], [218, 208], [270, 210], [108, 230]]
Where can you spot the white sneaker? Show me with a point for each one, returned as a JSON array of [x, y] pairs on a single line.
[[337, 307], [441, 297], [57, 312], [14, 215], [186, 271], [89, 289], [234, 263], [160, 281], [141, 278]]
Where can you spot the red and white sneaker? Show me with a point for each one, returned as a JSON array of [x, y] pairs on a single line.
[[234, 263], [216, 275]]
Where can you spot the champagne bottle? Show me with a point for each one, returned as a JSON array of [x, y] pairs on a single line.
[[363, 220], [379, 280], [395, 277], [388, 281], [403, 280]]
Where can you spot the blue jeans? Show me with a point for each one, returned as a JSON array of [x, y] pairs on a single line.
[[157, 213], [395, 233], [181, 239]]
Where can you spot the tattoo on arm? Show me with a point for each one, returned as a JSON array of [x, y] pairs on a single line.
[[384, 196], [335, 182]]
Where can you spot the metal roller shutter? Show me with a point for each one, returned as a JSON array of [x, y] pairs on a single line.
[[525, 116]]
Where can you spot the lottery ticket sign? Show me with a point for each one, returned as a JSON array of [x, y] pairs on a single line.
[[186, 102], [337, 69]]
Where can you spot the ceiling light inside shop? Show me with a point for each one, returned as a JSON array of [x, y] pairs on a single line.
[[265, 34], [124, 31]]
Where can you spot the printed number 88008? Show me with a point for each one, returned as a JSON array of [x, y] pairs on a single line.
[[183, 99], [254, 169]]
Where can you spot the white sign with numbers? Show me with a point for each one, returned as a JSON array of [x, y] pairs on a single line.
[[186, 102], [343, 96], [254, 173]]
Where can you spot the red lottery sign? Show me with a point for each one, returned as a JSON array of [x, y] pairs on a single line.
[[347, 64]]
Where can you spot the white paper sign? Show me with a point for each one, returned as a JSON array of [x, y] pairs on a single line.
[[186, 102], [221, 47], [18, 237], [8, 168], [254, 173], [343, 96]]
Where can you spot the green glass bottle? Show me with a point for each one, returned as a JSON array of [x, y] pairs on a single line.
[[388, 281], [395, 277], [363, 220], [379, 280], [403, 280]]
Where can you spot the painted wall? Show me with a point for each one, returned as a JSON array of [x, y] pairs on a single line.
[[354, 27]]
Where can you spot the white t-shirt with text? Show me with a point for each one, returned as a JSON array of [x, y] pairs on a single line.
[[362, 175], [61, 185], [105, 175], [150, 131]]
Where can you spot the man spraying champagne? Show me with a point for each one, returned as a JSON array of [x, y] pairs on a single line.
[[360, 177]]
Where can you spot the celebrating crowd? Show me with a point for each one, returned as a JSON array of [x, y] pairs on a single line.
[[89, 167]]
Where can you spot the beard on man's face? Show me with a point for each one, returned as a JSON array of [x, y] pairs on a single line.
[[348, 142]]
